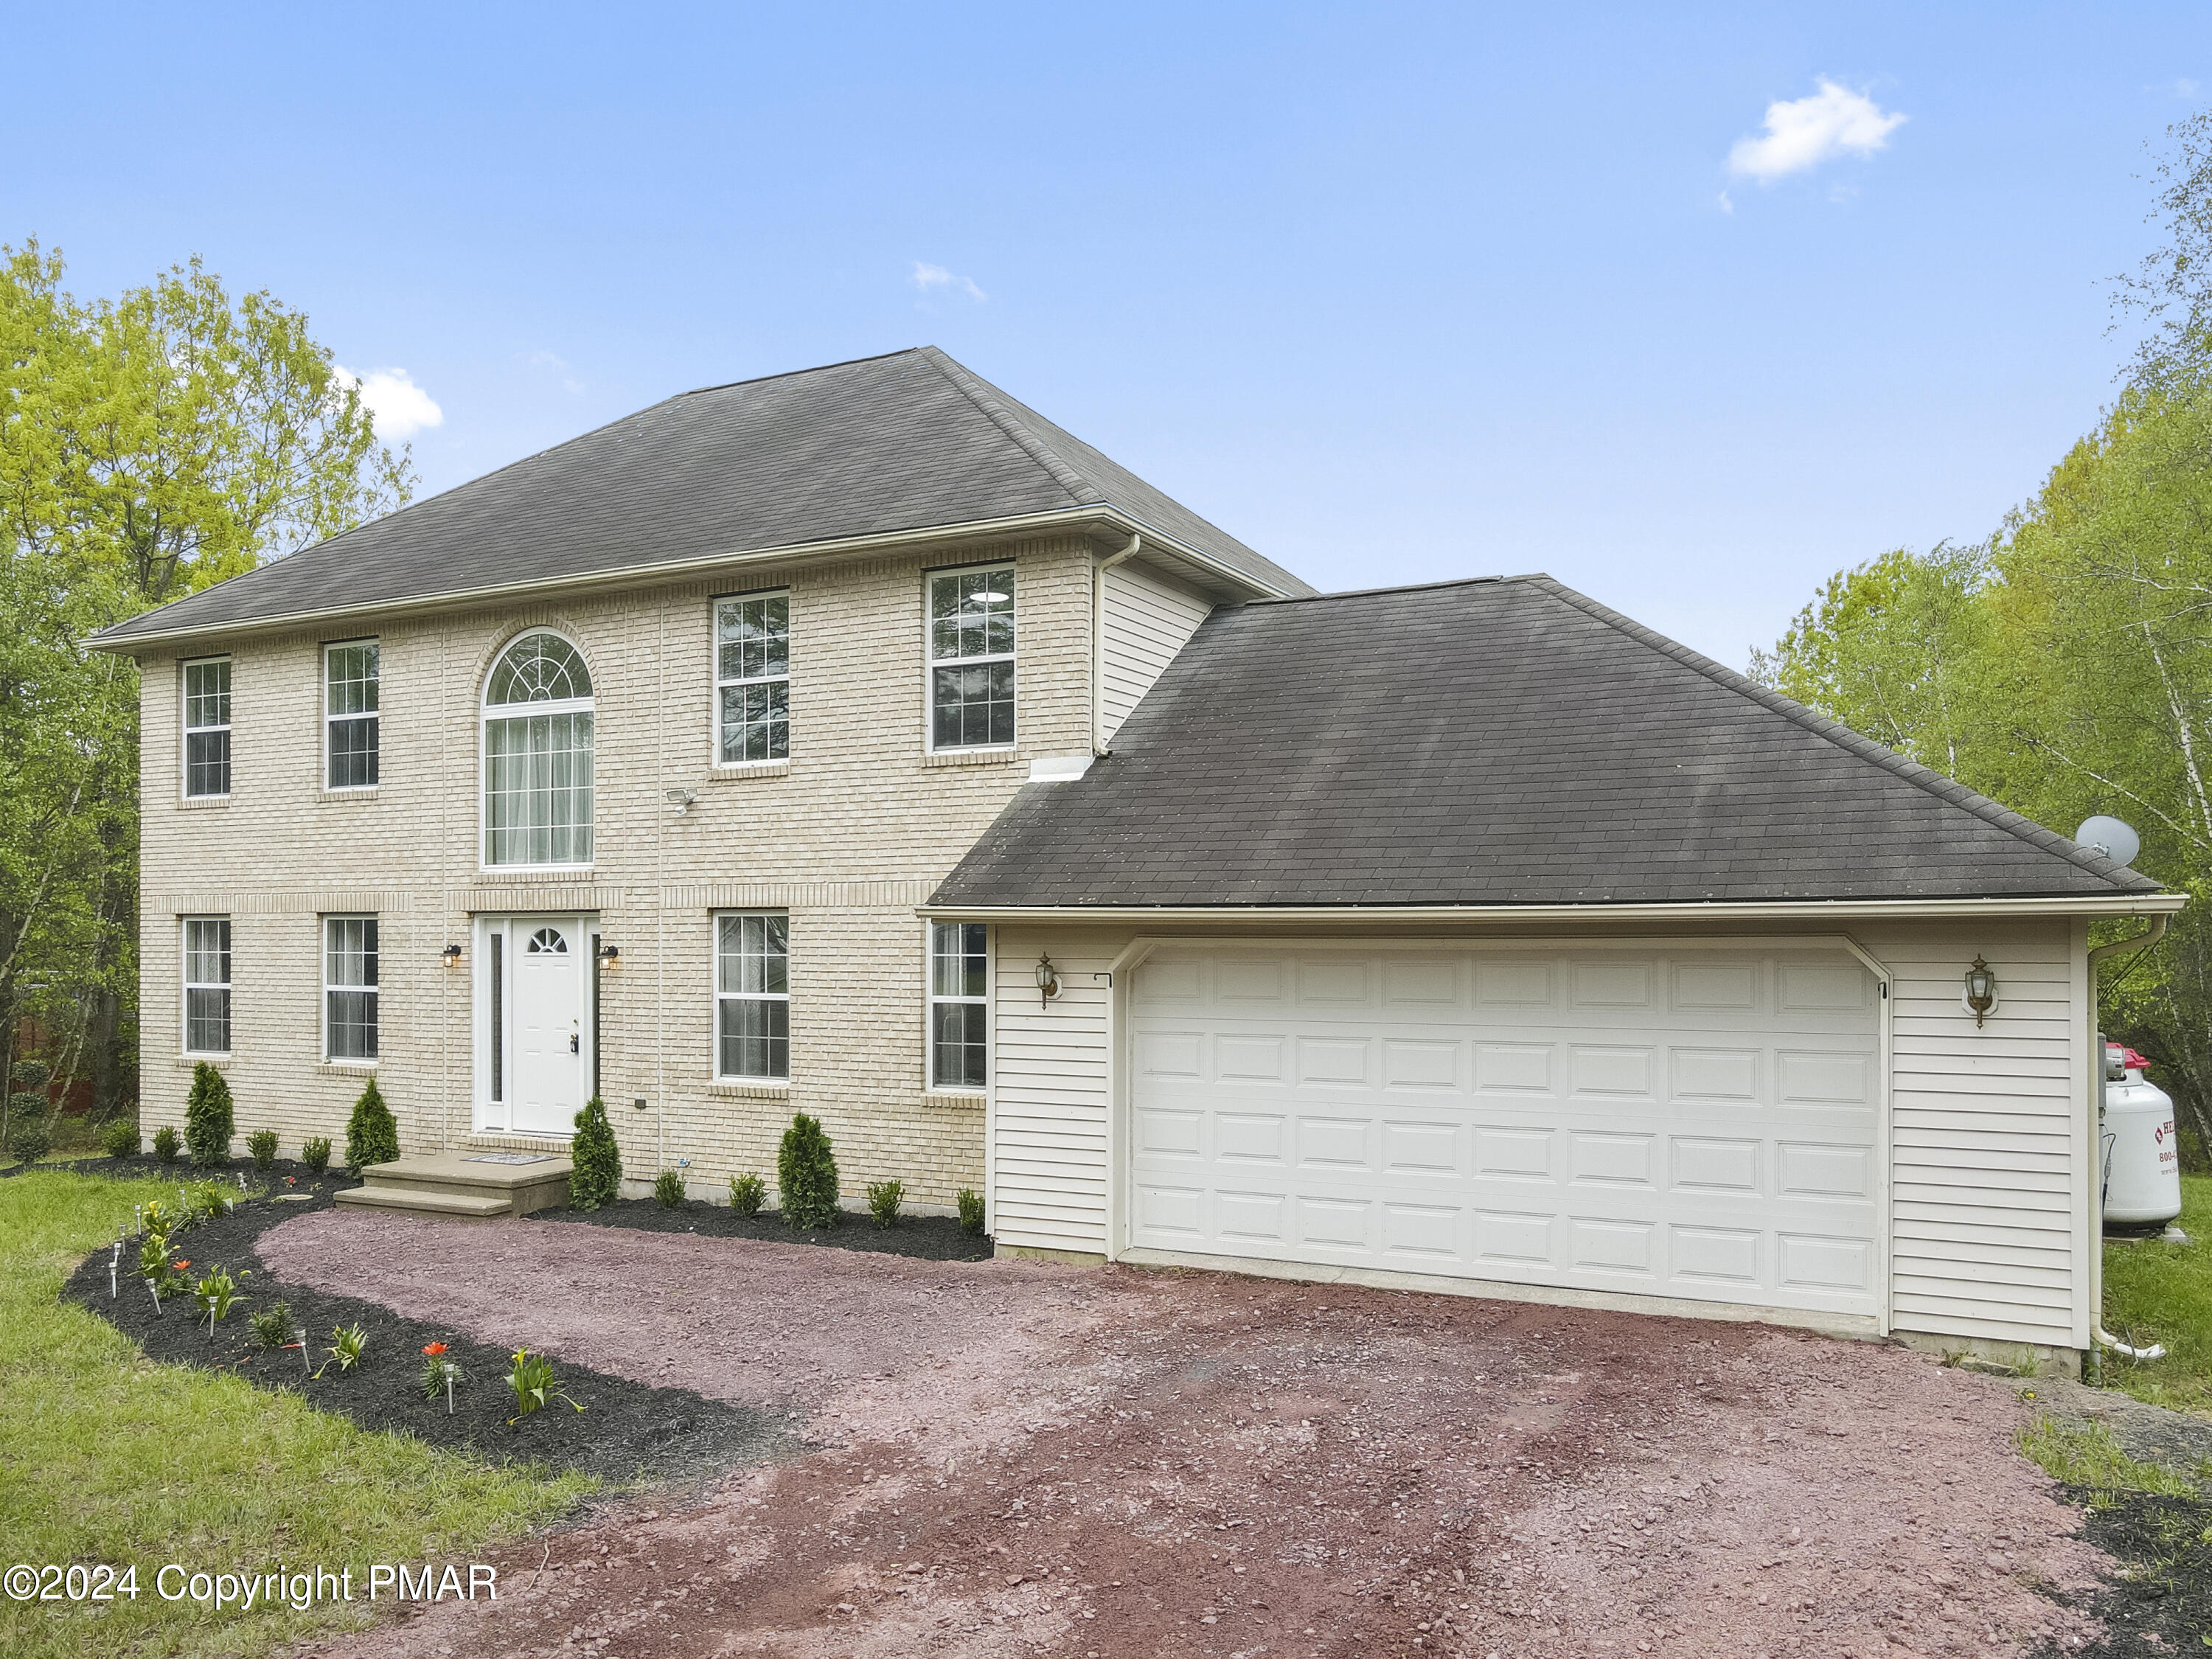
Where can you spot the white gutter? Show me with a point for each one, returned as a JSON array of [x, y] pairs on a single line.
[[1098, 641], [2117, 904], [2101, 953], [670, 570]]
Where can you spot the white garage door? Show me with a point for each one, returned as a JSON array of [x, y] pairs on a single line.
[[1679, 1122]]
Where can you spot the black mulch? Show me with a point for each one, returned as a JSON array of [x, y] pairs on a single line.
[[183, 1170], [626, 1432], [931, 1238], [2164, 1604]]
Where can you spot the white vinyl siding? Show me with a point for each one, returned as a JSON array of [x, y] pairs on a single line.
[[1050, 1100], [1987, 1123], [1147, 621]]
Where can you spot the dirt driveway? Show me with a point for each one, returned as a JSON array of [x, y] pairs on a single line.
[[1019, 1459]]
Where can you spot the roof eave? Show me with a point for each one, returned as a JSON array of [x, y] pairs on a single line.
[[1115, 518], [2088, 905]]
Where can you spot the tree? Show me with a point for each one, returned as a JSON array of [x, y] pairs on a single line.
[[806, 1174], [372, 1136], [595, 1160], [150, 445], [209, 1122]]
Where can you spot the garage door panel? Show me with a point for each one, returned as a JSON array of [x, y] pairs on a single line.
[[1586, 1119]]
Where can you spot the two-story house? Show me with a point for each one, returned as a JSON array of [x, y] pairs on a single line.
[[858, 742]]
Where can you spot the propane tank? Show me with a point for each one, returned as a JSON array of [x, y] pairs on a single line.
[[2143, 1159]]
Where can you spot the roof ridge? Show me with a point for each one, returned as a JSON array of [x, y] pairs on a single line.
[[793, 374], [986, 398], [1382, 592], [1948, 790]]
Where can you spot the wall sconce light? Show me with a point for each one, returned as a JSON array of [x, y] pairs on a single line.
[[610, 955], [451, 956], [1981, 988], [1048, 979]]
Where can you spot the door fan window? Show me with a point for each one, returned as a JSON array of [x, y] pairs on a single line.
[[547, 941]]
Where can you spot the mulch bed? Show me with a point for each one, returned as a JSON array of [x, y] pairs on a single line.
[[2165, 1604], [626, 1432], [931, 1237]]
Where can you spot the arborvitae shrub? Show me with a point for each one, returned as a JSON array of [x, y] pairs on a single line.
[[806, 1174], [120, 1139], [208, 1124], [747, 1192], [971, 1209], [372, 1136], [596, 1175]]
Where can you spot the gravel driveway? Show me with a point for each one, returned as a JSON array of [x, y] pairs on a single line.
[[1018, 1458]]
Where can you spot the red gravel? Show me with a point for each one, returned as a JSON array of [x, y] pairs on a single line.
[[1021, 1459]]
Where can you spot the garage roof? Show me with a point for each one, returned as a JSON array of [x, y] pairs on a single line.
[[1505, 741], [908, 441]]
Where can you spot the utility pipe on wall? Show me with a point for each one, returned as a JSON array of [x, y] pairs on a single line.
[[2099, 955], [1098, 641]]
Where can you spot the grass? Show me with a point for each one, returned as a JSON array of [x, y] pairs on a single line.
[[2161, 1293], [2088, 1456], [106, 1457]]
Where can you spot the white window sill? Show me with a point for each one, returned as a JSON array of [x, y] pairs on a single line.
[[1003, 754], [508, 874], [956, 1097], [736, 771], [751, 1089], [190, 801], [355, 792], [216, 1061], [345, 1067]]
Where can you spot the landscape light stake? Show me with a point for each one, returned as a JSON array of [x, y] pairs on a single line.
[[137, 1220], [114, 1270], [156, 1295], [304, 1371], [450, 1369]]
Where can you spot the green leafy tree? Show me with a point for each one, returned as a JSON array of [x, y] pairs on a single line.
[[150, 444], [372, 1136], [806, 1174], [208, 1117], [595, 1162]]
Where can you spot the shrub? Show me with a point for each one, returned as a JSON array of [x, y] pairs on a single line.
[[371, 1135], [668, 1189], [262, 1146], [595, 1175], [534, 1384], [272, 1326], [884, 1198], [165, 1144], [208, 1119], [747, 1192], [120, 1139], [28, 1141], [316, 1154], [971, 1209], [32, 1074], [806, 1174]]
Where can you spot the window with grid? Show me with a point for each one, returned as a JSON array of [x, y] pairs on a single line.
[[350, 987], [207, 727], [752, 996], [971, 658], [538, 755], [349, 719], [957, 1016], [206, 985], [752, 679]]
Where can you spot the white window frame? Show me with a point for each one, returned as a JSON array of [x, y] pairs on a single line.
[[722, 996], [932, 1001], [184, 926], [373, 953], [931, 662], [372, 714], [722, 684], [515, 710], [189, 730]]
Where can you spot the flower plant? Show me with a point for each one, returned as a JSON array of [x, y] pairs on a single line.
[[534, 1385], [347, 1342], [440, 1374], [272, 1326], [215, 1293]]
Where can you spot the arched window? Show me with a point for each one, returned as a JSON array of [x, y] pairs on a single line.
[[538, 754]]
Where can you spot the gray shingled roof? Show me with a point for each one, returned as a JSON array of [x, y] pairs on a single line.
[[1506, 741], [908, 441]]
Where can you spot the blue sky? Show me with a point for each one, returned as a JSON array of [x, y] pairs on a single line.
[[1394, 293]]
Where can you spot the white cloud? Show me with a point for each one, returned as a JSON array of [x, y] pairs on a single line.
[[553, 363], [397, 406], [928, 277], [1803, 132]]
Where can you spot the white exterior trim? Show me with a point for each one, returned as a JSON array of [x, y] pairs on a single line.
[[1369, 915]]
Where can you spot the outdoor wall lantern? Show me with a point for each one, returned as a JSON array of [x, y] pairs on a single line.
[[451, 956], [1048, 979], [609, 954], [1981, 988]]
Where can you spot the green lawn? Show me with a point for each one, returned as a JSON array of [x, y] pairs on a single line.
[[2158, 1292], [107, 1457]]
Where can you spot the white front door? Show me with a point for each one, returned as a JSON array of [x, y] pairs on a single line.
[[536, 1026], [1694, 1122]]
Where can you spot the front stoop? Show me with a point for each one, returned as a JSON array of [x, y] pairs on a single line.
[[451, 1184]]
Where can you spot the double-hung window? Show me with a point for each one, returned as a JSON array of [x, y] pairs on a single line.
[[207, 727], [206, 985], [350, 721], [350, 987], [752, 996], [971, 658], [752, 679], [958, 965]]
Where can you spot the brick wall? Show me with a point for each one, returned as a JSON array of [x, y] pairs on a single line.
[[848, 838]]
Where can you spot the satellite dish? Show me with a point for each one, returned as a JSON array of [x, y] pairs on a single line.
[[2111, 837]]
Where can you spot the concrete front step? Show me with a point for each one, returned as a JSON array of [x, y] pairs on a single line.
[[463, 1183]]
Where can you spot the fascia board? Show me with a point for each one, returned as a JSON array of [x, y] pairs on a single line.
[[1367, 915]]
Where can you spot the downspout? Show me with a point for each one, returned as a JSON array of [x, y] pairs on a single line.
[[2097, 956], [1098, 641]]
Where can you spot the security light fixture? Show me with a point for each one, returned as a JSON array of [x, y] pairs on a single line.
[[1981, 988], [681, 800], [1048, 979], [451, 956]]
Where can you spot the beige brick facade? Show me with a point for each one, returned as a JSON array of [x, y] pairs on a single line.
[[848, 838]]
